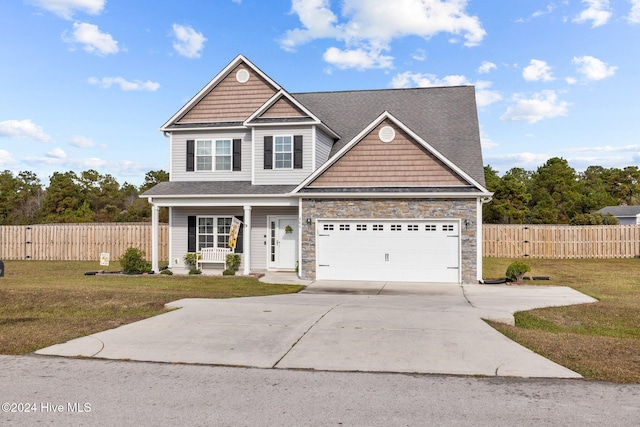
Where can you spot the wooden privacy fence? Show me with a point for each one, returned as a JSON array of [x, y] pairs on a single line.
[[85, 242], [78, 242], [561, 241]]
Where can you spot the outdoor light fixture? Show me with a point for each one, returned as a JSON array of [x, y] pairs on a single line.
[[308, 221], [467, 223]]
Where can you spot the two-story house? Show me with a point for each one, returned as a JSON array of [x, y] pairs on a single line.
[[356, 185]]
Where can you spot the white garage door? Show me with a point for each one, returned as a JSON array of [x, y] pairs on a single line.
[[383, 250]]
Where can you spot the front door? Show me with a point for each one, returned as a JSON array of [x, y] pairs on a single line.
[[284, 242]]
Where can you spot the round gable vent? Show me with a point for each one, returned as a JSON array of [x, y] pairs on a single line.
[[386, 134], [242, 76]]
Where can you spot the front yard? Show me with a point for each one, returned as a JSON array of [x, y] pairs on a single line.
[[600, 341], [44, 303], [48, 302]]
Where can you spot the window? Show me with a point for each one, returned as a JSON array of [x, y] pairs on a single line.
[[203, 155], [223, 155], [430, 227], [361, 227], [447, 227], [378, 227], [208, 150], [412, 227], [213, 232], [396, 227], [283, 152], [345, 227], [328, 227]]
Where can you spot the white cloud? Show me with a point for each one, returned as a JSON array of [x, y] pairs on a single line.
[[107, 82], [525, 160], [634, 13], [593, 68], [67, 8], [543, 105], [360, 59], [82, 141], [603, 149], [369, 26], [597, 11], [57, 153], [92, 39], [537, 71], [550, 8], [419, 55], [484, 96], [5, 158], [486, 67], [22, 129], [60, 160], [189, 43]]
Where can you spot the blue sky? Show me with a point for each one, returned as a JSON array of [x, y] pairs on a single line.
[[85, 84]]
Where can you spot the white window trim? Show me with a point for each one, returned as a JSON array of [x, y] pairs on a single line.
[[213, 155], [290, 152], [230, 155], [215, 229]]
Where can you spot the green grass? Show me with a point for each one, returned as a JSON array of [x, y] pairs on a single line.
[[48, 302], [600, 341]]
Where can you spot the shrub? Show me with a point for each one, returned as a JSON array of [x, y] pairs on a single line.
[[233, 261], [191, 258], [195, 271], [517, 270], [133, 262], [228, 272], [167, 272]]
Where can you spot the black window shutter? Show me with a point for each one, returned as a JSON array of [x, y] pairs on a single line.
[[268, 152], [237, 153], [191, 155], [191, 234], [240, 241], [297, 152]]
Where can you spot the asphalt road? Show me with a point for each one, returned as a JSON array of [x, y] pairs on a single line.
[[39, 390]]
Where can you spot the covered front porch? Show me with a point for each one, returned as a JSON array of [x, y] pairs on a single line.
[[268, 240]]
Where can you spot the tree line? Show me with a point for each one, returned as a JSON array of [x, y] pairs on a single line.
[[556, 194], [553, 194], [71, 197]]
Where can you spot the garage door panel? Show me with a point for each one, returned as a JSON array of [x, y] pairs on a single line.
[[419, 250]]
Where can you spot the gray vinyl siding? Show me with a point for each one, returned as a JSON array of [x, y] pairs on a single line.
[[288, 176], [179, 157], [323, 148]]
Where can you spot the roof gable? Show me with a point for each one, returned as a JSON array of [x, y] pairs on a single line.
[[362, 162], [231, 96], [446, 117], [402, 162]]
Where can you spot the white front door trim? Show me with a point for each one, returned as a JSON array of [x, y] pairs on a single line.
[[282, 247]]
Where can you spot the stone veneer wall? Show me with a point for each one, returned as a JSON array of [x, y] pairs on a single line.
[[464, 209]]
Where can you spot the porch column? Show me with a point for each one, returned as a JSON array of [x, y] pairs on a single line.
[[154, 237], [247, 241]]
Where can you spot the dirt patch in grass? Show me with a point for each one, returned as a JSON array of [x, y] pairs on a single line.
[[600, 341], [48, 302]]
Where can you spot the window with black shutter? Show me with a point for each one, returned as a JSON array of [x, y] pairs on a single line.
[[237, 154], [268, 152]]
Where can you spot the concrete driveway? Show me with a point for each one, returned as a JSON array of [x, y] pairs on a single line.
[[373, 327]]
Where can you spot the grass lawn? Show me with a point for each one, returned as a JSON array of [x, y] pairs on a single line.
[[600, 341], [49, 302]]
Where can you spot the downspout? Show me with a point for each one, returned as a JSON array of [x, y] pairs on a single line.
[[154, 236], [479, 238]]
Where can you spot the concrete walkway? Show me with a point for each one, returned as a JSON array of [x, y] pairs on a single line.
[[374, 327]]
